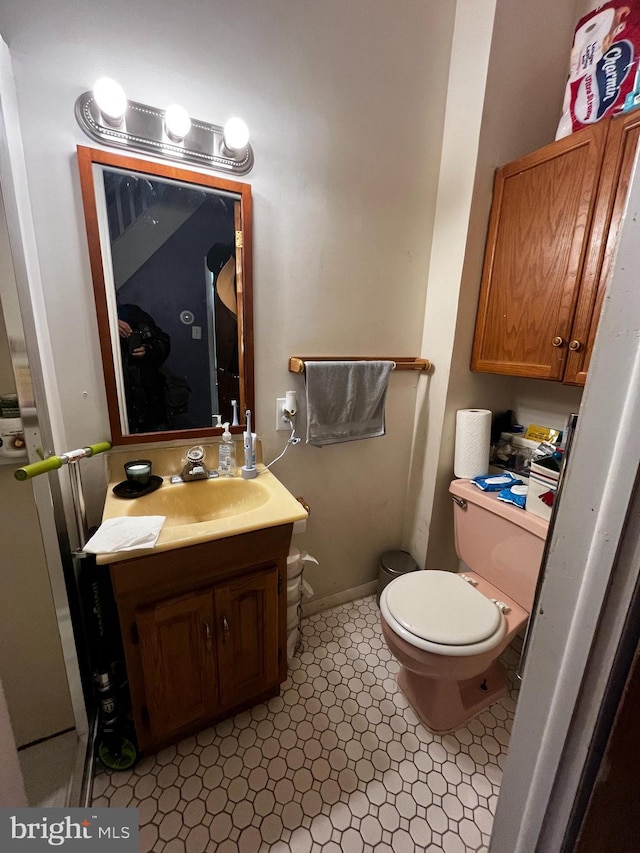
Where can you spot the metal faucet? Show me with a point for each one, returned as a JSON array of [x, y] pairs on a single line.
[[195, 468]]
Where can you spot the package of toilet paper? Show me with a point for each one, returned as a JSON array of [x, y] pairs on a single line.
[[603, 74]]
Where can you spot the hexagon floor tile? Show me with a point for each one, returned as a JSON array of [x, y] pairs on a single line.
[[338, 763]]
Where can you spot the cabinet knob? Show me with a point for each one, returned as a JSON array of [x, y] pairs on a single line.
[[557, 341], [574, 346]]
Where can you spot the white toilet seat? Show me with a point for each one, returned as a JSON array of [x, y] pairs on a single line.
[[441, 613]]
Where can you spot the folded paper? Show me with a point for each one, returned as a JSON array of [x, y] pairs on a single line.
[[125, 534]]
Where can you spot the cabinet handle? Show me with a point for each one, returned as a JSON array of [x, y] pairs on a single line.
[[225, 629], [207, 630], [557, 341], [574, 346]]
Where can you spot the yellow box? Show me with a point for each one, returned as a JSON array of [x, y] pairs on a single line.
[[540, 433]]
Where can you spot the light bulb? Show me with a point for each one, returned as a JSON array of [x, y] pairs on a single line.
[[177, 122], [111, 100], [236, 134]]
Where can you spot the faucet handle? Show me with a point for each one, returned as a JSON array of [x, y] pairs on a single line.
[[195, 454]]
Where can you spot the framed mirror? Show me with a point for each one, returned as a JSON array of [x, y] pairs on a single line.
[[170, 253]]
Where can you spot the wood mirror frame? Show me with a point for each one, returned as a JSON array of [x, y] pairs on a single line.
[[92, 164]]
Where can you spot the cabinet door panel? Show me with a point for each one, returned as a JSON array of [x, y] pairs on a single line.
[[542, 210], [178, 662], [247, 630], [617, 168]]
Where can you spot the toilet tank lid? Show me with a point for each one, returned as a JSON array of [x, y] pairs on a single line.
[[465, 489]]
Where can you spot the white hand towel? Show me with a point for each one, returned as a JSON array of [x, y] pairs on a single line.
[[345, 400], [125, 534]]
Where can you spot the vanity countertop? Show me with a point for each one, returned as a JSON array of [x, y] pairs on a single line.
[[206, 510]]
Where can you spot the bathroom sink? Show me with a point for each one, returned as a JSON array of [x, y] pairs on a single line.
[[202, 500], [206, 509]]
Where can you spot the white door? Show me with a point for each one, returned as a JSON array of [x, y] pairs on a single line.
[[37, 647], [591, 572]]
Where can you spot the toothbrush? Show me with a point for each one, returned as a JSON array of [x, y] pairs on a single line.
[[249, 470], [235, 421], [247, 440]]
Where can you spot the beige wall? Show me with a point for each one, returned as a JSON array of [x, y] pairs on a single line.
[[369, 209], [345, 102], [12, 793], [31, 662], [525, 67]]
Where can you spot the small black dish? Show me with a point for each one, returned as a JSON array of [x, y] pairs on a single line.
[[133, 489]]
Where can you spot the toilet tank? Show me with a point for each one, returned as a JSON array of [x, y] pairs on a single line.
[[499, 541]]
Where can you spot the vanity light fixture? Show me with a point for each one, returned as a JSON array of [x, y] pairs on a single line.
[[111, 100], [177, 122], [235, 135], [107, 116]]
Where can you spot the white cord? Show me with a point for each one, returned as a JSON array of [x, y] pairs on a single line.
[[293, 439]]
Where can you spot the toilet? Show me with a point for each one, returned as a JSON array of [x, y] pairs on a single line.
[[447, 630]]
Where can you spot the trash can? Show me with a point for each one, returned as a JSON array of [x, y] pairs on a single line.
[[392, 565]]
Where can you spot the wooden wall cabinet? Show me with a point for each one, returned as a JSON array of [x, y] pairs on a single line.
[[552, 235], [204, 631]]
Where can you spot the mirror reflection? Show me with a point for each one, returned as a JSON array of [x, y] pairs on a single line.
[[169, 259]]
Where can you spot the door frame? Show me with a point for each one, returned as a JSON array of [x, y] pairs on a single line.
[[43, 423], [589, 581]]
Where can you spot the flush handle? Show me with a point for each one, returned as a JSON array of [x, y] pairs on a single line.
[[460, 501]]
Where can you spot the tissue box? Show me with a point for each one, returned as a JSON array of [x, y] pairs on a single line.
[[543, 485]]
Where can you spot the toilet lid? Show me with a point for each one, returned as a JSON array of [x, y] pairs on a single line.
[[442, 608]]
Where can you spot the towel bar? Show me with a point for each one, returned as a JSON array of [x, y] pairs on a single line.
[[296, 362]]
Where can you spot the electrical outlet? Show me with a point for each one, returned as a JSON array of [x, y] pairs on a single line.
[[280, 421]]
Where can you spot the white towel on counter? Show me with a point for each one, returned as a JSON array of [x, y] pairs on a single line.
[[345, 400], [125, 534]]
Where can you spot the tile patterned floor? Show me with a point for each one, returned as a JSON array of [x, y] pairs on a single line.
[[338, 763]]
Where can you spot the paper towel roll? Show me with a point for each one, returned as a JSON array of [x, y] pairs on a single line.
[[473, 441]]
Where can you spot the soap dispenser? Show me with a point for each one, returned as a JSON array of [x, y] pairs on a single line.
[[226, 454]]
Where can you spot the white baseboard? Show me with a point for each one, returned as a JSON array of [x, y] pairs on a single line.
[[317, 605]]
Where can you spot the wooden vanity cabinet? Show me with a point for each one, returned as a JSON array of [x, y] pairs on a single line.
[[247, 658], [177, 662], [204, 631], [553, 230]]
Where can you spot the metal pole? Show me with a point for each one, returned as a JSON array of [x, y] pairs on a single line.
[[79, 508]]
